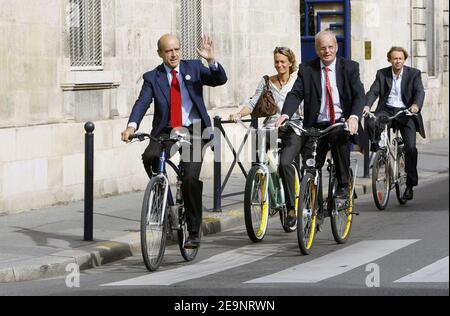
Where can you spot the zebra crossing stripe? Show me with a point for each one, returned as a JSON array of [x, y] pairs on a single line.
[[434, 273], [336, 263], [222, 262]]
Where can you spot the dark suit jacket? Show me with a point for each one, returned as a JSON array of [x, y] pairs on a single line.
[[412, 92], [308, 87], [156, 88]]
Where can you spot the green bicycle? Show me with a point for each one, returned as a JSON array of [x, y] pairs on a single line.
[[264, 191]]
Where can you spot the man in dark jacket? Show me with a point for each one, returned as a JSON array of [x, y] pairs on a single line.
[[400, 87], [176, 88], [331, 90]]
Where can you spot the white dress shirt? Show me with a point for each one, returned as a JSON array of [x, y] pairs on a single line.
[[395, 98]]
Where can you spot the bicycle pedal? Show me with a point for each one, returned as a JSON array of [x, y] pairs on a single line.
[[342, 205]]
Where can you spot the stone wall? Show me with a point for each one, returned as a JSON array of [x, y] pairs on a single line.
[[44, 103], [436, 110], [44, 165], [403, 23], [30, 45]]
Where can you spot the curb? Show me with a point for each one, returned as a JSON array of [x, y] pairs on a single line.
[[59, 264]]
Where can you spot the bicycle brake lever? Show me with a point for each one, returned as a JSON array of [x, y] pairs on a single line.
[[186, 142]]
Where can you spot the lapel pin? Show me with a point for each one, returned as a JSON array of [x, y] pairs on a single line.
[[188, 77]]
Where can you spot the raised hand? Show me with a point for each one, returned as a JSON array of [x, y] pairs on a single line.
[[207, 50]]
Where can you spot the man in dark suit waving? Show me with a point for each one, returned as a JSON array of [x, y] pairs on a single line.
[[398, 88], [332, 90], [176, 87]]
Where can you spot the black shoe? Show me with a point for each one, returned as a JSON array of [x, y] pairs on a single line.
[[342, 193], [192, 242], [291, 221], [374, 147], [409, 194], [320, 221]]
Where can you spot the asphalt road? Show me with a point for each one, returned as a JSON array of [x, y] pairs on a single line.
[[401, 251]]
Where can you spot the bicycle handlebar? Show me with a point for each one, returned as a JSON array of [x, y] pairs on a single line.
[[314, 132], [387, 119], [141, 137], [179, 137], [310, 132], [406, 112]]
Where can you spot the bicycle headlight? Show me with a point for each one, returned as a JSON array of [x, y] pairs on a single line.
[[311, 162]]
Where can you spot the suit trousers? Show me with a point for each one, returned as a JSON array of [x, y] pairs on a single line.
[[408, 131], [292, 146], [192, 187], [338, 140]]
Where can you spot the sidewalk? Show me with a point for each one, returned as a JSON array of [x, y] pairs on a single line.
[[42, 243]]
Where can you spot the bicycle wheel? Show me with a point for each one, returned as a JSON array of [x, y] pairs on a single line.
[[307, 214], [183, 234], [381, 184], [153, 226], [342, 220], [400, 185], [256, 204], [283, 214]]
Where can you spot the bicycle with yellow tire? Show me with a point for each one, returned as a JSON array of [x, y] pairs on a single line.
[[313, 209], [264, 192]]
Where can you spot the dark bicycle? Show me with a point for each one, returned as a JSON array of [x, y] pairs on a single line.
[[313, 209], [160, 213]]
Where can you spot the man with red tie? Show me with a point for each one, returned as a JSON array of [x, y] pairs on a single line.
[[332, 91], [176, 87]]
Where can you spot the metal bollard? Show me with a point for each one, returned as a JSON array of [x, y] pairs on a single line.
[[217, 165], [89, 182]]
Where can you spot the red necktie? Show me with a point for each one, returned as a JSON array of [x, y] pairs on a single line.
[[176, 114], [329, 99]]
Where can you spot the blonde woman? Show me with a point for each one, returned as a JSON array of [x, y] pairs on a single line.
[[280, 85]]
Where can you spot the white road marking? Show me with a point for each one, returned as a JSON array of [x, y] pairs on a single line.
[[434, 273], [222, 262], [336, 263]]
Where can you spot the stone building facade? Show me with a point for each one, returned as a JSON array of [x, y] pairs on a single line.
[[63, 62]]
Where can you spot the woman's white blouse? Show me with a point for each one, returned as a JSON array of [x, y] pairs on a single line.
[[279, 97]]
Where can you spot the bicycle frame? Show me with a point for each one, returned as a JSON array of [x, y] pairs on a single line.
[[162, 175], [267, 161], [391, 148], [158, 190], [312, 168]]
